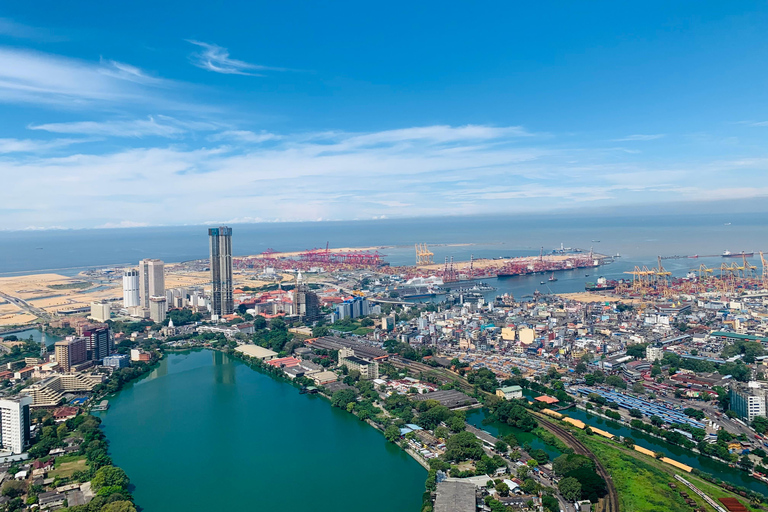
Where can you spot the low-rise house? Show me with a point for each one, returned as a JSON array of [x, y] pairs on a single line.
[[509, 392], [50, 499]]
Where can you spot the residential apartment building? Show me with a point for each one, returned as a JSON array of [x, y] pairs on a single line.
[[70, 353], [748, 401], [369, 370], [14, 423]]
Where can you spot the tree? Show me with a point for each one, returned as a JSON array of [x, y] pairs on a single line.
[[637, 351], [760, 424], [456, 423], [589, 379], [501, 446], [581, 368], [463, 446], [110, 476], [540, 456], [638, 388], [616, 381], [570, 488], [694, 413], [510, 439], [570, 461], [13, 488], [593, 487], [656, 370], [343, 397], [629, 442], [502, 489], [119, 506], [392, 433], [636, 413], [656, 421], [442, 432]]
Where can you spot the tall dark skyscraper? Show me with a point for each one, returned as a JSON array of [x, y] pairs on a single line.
[[221, 271]]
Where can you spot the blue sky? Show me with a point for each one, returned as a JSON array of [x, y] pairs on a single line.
[[146, 113]]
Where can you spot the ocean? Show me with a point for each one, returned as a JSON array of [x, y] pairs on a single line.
[[638, 239]]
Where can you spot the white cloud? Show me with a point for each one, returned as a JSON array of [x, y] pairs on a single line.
[[32, 77], [640, 137], [29, 146], [244, 136], [212, 57], [431, 170], [163, 126], [123, 224]]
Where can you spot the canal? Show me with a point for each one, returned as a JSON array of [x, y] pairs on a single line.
[[705, 464], [203, 431]]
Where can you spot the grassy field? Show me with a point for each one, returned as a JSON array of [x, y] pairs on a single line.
[[642, 481], [77, 285], [65, 467]]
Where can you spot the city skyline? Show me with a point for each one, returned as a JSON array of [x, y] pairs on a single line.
[[505, 109]]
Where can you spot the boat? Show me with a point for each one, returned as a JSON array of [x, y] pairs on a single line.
[[729, 254], [601, 284], [586, 275], [542, 282], [552, 277], [596, 241]]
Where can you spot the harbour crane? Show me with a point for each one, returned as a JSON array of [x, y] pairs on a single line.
[[423, 255]]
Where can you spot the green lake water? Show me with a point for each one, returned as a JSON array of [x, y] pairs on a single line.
[[205, 432]]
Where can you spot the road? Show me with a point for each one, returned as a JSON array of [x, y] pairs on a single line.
[[21, 303]]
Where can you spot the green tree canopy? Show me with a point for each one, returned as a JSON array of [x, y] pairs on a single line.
[[463, 446], [109, 476], [570, 488]]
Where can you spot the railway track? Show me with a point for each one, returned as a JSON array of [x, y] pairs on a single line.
[[416, 367], [611, 502]]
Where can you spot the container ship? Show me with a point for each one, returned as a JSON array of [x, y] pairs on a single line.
[[601, 284], [729, 254]]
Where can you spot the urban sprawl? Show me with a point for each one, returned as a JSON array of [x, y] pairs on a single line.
[[411, 351]]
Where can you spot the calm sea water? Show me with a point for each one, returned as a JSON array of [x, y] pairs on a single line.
[[636, 238], [205, 432]]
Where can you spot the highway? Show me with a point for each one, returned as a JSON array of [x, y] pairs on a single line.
[[24, 305]]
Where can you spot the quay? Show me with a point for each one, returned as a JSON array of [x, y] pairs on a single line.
[[103, 406]]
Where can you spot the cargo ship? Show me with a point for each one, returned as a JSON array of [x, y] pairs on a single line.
[[729, 254], [601, 284]]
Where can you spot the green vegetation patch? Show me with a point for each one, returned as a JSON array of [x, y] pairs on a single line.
[[68, 468], [642, 487], [77, 285]]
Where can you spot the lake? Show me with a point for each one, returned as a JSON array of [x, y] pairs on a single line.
[[204, 431]]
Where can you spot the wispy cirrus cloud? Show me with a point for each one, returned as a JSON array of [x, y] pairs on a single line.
[[640, 137], [31, 146], [213, 57], [244, 136], [158, 126], [49, 79], [17, 30]]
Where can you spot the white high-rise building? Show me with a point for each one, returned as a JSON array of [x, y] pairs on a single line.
[[131, 288], [14, 423], [151, 280]]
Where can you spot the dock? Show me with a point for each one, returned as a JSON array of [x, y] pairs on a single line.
[[103, 406]]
